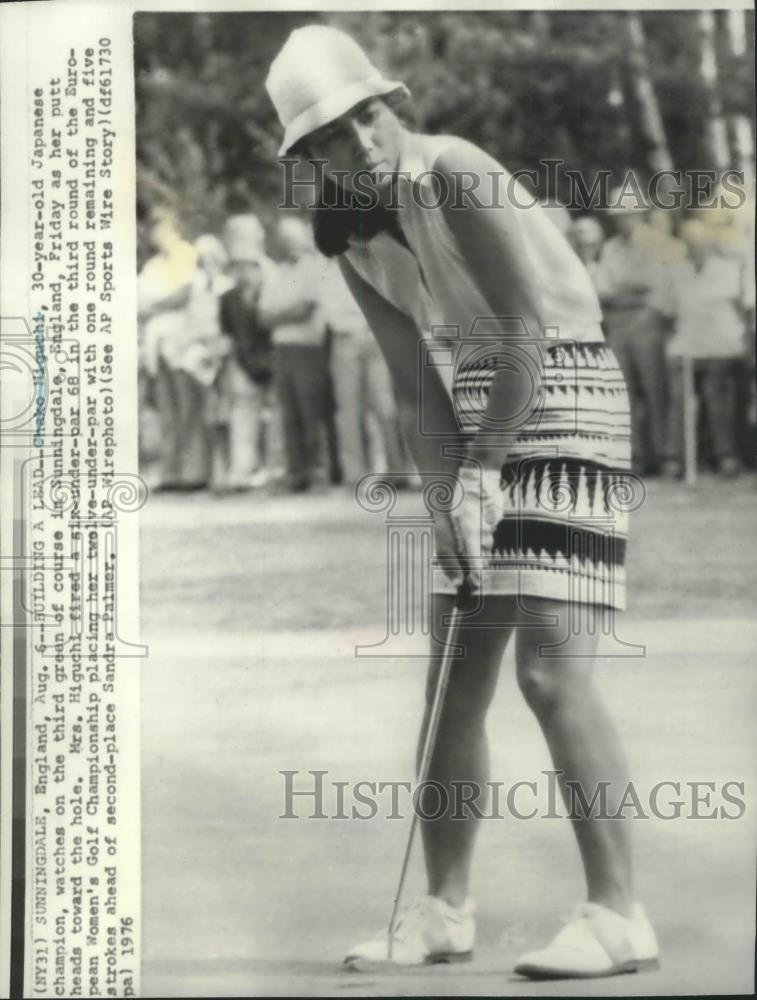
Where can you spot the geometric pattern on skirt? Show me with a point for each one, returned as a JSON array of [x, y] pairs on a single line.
[[579, 407], [552, 519]]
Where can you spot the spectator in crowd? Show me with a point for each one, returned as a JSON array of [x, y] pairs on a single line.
[[163, 291], [659, 236], [664, 219], [205, 353], [631, 265], [587, 237], [729, 221], [248, 374], [730, 226], [291, 304], [148, 422], [708, 301], [367, 419]]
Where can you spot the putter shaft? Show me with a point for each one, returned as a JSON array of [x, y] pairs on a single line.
[[428, 750]]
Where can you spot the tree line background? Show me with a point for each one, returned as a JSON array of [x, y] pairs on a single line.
[[602, 90]]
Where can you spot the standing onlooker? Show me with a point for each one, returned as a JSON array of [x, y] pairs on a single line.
[[730, 229], [203, 359], [367, 418], [248, 374], [630, 267], [707, 300], [587, 237], [291, 304], [163, 291]]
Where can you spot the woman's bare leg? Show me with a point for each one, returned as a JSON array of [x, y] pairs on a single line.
[[583, 740], [461, 753]]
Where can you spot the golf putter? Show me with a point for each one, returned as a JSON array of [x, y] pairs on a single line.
[[429, 743]]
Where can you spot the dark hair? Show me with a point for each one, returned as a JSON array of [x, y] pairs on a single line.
[[337, 217], [336, 220]]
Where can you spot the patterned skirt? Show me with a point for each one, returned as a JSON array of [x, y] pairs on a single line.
[[551, 520]]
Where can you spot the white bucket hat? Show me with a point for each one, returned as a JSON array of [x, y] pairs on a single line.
[[319, 74]]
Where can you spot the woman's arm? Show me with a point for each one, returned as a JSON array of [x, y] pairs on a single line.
[[492, 245], [400, 341]]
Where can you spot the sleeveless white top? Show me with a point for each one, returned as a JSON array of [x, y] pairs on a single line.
[[433, 284]]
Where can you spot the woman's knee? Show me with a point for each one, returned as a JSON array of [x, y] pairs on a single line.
[[548, 683]]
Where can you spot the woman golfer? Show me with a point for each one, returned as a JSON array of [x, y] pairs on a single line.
[[430, 232]]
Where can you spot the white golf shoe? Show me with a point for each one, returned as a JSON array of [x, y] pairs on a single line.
[[428, 931], [595, 941]]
